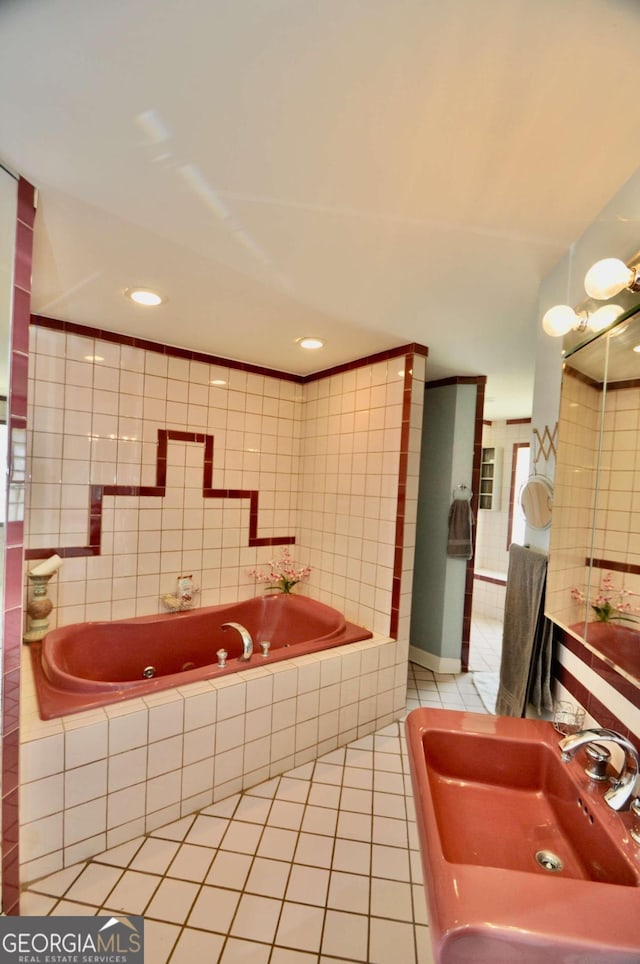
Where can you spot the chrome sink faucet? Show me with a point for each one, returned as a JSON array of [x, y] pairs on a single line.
[[619, 795], [245, 636]]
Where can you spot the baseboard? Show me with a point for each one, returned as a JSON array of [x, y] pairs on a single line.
[[437, 664]]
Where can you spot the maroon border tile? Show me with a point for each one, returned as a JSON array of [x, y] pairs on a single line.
[[14, 533], [158, 491], [599, 664], [492, 579], [592, 704], [69, 327]]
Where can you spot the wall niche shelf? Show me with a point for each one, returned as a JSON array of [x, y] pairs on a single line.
[[490, 478]]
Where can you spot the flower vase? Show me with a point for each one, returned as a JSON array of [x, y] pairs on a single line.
[[39, 608]]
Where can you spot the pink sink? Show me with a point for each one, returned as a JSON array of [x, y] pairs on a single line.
[[523, 860]]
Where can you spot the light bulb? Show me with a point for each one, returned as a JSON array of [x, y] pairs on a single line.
[[606, 278], [559, 320], [310, 342], [604, 316], [144, 296]]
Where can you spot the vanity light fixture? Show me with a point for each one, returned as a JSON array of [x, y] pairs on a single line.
[[309, 342], [144, 296], [609, 277], [561, 319]]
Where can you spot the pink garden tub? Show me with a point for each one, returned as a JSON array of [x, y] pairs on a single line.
[[98, 663]]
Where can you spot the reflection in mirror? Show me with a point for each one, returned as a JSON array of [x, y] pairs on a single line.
[[593, 585], [8, 215], [536, 501]]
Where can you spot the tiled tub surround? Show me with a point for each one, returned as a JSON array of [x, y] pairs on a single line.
[[95, 664], [333, 462], [93, 780]]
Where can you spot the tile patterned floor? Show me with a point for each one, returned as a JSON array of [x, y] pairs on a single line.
[[319, 865]]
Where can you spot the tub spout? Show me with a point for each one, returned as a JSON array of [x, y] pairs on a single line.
[[245, 636]]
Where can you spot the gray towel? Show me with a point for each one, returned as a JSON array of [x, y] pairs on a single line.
[[460, 541], [526, 640], [539, 688]]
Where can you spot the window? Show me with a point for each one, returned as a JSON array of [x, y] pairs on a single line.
[[519, 475]]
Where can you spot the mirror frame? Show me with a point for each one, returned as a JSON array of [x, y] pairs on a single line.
[[536, 501]]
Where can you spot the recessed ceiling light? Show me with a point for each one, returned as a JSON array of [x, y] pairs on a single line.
[[310, 342], [636, 348], [144, 296]]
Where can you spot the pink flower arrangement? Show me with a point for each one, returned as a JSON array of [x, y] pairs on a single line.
[[282, 573], [611, 603]]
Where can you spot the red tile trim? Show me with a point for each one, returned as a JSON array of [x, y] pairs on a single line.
[[409, 350], [458, 380], [158, 491], [600, 665], [70, 327], [492, 579], [481, 382], [591, 703], [396, 582], [615, 566], [620, 386], [581, 377], [12, 614], [518, 421]]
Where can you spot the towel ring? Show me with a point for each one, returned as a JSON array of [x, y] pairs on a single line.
[[462, 492]]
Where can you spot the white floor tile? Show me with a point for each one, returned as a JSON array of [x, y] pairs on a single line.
[[256, 918], [352, 856], [237, 951], [159, 940], [319, 865], [196, 945], [213, 909], [390, 942], [346, 936], [172, 900], [155, 855], [94, 884], [349, 892], [133, 892], [268, 877], [300, 926], [308, 885], [277, 843], [228, 869], [314, 849], [190, 863]]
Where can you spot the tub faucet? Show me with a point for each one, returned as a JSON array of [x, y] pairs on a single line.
[[245, 636], [619, 795]]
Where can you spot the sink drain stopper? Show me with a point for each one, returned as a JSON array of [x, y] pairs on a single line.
[[549, 861]]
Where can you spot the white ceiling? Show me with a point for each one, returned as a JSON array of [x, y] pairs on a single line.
[[373, 172]]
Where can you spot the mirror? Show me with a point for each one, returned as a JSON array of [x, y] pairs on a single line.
[[593, 584], [8, 215], [536, 501]]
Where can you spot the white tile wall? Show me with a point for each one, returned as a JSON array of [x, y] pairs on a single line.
[[324, 458]]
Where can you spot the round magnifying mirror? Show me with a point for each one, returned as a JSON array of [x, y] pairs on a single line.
[[536, 501]]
